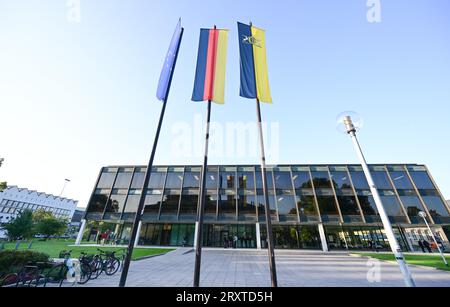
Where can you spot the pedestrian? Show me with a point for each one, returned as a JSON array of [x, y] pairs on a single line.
[[370, 243], [226, 244], [230, 241], [98, 237], [421, 246], [427, 245], [235, 241]]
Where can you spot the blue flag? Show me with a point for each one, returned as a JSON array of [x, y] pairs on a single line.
[[169, 64]]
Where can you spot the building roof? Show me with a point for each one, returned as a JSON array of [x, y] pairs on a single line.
[[39, 194]]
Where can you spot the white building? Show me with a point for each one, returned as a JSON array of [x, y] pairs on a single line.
[[14, 199]]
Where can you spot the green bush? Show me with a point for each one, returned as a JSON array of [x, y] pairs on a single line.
[[11, 261]]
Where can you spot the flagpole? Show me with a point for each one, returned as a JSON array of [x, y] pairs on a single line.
[[270, 242], [148, 172], [201, 208]]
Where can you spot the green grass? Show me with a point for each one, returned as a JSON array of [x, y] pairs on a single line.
[[54, 247], [434, 261]]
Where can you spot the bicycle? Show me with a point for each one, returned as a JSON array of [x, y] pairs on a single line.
[[28, 276], [110, 264], [80, 273]]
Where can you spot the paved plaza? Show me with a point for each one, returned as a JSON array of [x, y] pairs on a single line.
[[245, 268]]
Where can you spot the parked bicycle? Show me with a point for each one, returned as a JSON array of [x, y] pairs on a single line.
[[107, 262], [70, 269]]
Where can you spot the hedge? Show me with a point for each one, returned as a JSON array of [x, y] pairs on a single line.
[[11, 261]]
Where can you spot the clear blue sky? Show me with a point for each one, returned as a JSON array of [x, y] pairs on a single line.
[[77, 96]]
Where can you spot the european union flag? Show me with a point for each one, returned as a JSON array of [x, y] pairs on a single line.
[[169, 64]]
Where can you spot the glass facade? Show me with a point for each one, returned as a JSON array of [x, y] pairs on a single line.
[[300, 196]]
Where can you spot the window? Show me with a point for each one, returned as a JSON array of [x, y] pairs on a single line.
[[262, 208], [157, 180], [401, 181], [412, 204], [381, 180], [97, 203], [392, 206], [348, 205], [269, 178], [138, 180], [321, 180], [247, 207], [302, 180], [341, 180], [283, 180], [211, 204], [246, 180], [116, 202], [123, 179], [189, 205], [434, 203], [132, 203], [227, 180], [191, 180], [287, 209], [170, 203], [106, 180], [211, 180], [152, 203], [306, 204], [327, 203], [359, 180], [227, 205], [422, 180]]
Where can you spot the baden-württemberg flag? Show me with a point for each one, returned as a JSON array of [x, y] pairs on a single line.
[[211, 63], [254, 74]]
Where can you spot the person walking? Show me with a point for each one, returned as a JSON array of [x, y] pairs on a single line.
[[235, 241], [226, 244], [427, 245], [421, 246]]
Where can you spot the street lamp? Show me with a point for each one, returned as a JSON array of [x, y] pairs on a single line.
[[424, 216], [350, 123], [66, 181]]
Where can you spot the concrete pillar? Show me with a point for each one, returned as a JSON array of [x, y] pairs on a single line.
[[80, 232], [195, 235], [258, 236], [323, 238], [136, 242]]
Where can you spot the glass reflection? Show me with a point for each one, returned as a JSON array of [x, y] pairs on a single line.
[[246, 180], [191, 180], [283, 180], [422, 180], [321, 180], [302, 180], [401, 181], [341, 180], [157, 180], [227, 180]]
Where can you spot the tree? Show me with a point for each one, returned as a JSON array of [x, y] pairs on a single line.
[[46, 224], [21, 226], [3, 186]]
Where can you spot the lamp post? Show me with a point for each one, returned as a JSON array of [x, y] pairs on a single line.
[[66, 181], [345, 121], [424, 216]]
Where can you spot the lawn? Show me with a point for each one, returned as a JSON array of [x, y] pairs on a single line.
[[54, 247], [434, 261]]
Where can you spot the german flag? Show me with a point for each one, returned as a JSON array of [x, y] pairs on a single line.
[[211, 66]]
